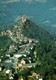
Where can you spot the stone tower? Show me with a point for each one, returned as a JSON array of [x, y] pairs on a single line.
[[24, 20]]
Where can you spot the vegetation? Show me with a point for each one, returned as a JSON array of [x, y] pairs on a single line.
[[5, 42], [46, 53], [46, 62], [32, 30]]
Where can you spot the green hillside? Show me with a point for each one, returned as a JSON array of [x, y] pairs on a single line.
[[28, 29], [5, 42], [46, 54], [32, 30]]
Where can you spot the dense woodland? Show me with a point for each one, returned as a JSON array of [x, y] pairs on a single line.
[[46, 53], [5, 42], [32, 30]]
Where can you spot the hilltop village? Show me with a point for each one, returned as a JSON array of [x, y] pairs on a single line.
[[20, 57], [27, 52]]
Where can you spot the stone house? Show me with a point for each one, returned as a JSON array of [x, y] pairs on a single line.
[[0, 68], [23, 62]]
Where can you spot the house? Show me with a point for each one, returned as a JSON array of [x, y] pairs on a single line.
[[17, 55], [3, 73], [28, 52], [11, 46], [36, 75], [0, 68], [11, 78], [23, 62], [35, 54], [21, 78], [15, 26], [24, 67], [8, 61], [19, 65], [0, 60], [1, 56], [40, 77], [29, 61], [8, 55], [8, 71], [13, 59], [30, 41], [15, 66], [29, 65], [30, 76], [8, 64]]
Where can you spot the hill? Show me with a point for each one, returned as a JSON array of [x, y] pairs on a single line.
[[5, 42], [31, 30], [28, 38], [25, 30]]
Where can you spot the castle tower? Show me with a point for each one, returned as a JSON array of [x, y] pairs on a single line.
[[24, 19]]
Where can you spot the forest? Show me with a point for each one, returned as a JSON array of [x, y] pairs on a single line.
[[5, 42], [46, 54], [32, 30]]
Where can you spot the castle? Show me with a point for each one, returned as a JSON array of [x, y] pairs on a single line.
[[24, 20]]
